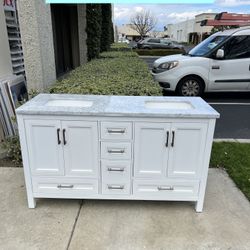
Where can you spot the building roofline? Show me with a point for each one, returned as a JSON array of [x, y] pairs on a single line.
[[207, 13]]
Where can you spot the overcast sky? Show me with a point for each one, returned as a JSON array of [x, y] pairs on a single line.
[[172, 13]]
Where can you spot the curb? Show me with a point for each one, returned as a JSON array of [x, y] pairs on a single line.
[[150, 56], [232, 140]]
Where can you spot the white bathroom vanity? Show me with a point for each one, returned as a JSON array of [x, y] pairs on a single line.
[[116, 147]]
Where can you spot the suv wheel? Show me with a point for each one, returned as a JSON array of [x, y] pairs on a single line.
[[190, 86]]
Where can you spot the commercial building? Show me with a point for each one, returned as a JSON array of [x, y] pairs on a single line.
[[190, 31], [48, 39], [127, 32]]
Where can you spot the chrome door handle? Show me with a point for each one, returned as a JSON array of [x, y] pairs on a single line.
[[116, 131], [58, 136], [116, 169], [163, 188], [64, 138], [65, 186], [116, 151], [173, 135], [167, 139], [116, 187]]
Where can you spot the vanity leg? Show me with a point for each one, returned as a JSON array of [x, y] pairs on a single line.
[[31, 202], [199, 206]]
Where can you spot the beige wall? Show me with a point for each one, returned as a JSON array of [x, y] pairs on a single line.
[[81, 9], [5, 59], [37, 41], [180, 31], [203, 29]]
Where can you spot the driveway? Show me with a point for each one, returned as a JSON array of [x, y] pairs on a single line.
[[234, 109], [123, 225]]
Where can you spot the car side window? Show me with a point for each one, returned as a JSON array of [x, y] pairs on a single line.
[[166, 42], [238, 47], [154, 40]]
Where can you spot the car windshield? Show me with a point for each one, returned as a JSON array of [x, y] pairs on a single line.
[[207, 45]]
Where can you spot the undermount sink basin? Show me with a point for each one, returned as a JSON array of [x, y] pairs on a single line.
[[69, 103], [167, 105]]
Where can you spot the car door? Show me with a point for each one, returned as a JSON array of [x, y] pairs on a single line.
[[232, 73], [154, 43], [165, 44]]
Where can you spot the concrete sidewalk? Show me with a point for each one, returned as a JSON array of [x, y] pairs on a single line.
[[117, 225]]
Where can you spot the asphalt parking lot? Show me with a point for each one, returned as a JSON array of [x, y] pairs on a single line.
[[234, 109]]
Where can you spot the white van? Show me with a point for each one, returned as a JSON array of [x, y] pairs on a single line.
[[219, 63]]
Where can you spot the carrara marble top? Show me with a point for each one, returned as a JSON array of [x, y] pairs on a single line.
[[118, 106]]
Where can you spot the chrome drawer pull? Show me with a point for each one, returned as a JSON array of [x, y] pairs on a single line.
[[116, 131], [165, 188], [116, 187], [116, 151], [116, 169], [65, 186]]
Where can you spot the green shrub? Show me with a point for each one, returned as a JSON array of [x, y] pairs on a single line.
[[158, 52], [118, 54], [112, 32], [93, 29], [120, 47], [12, 145], [106, 25], [111, 76]]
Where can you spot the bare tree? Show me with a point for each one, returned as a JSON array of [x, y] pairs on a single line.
[[155, 33], [143, 22]]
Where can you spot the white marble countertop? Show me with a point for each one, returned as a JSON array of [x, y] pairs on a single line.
[[121, 106]]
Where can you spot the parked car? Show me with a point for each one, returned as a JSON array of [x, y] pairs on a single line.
[[219, 63], [158, 43], [123, 40]]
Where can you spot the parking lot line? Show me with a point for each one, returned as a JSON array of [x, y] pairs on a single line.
[[229, 103]]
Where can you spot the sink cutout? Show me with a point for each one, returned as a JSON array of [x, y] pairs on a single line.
[[168, 105], [69, 103]]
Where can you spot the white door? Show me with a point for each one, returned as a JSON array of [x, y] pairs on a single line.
[[187, 149], [229, 75], [152, 144], [45, 147], [80, 141], [233, 71]]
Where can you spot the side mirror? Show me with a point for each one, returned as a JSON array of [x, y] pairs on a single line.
[[220, 54]]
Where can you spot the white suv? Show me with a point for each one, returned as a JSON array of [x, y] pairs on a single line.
[[219, 63]]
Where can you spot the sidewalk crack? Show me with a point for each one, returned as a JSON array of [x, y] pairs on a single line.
[[74, 225]]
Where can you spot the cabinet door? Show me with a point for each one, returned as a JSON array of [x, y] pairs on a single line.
[[151, 149], [80, 141], [186, 153], [44, 147]]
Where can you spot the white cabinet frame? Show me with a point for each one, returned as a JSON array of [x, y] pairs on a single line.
[[164, 182]]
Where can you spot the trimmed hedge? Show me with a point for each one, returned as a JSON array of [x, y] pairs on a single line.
[[120, 47], [125, 75], [118, 54], [158, 52]]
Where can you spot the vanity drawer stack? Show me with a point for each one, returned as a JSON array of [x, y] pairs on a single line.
[[116, 157]]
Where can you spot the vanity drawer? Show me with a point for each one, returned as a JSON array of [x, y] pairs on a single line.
[[76, 186], [166, 189], [116, 188], [116, 150], [116, 130], [115, 170]]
